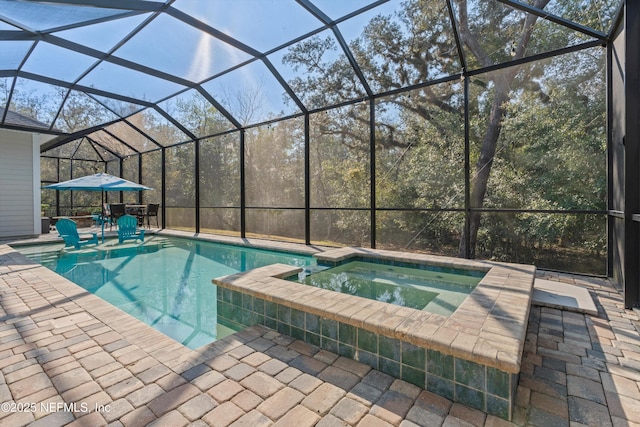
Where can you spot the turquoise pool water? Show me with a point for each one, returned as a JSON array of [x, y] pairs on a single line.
[[423, 289], [166, 282]]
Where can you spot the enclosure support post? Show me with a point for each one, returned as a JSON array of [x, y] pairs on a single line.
[[632, 155], [610, 226], [197, 183], [372, 167], [467, 174], [307, 182], [70, 195], [140, 177], [243, 202], [58, 191], [121, 200], [163, 179]]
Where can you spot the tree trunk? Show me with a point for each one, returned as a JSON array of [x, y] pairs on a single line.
[[502, 82], [483, 165]]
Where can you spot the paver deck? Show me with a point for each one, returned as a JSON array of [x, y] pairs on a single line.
[[69, 358]]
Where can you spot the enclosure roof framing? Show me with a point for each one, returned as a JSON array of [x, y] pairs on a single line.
[[125, 60]]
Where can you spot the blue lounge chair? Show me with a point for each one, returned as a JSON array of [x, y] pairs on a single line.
[[68, 230], [128, 229]]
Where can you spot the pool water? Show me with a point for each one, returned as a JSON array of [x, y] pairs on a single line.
[[165, 282], [433, 291]]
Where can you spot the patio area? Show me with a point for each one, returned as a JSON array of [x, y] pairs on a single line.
[[67, 357], [496, 132]]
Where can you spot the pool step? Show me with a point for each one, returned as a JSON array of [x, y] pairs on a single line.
[[550, 293]]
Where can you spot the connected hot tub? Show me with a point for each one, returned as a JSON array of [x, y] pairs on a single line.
[[429, 288]]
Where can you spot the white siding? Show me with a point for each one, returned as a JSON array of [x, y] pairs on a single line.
[[17, 186]]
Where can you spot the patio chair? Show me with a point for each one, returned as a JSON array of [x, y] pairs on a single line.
[[128, 229], [101, 217], [152, 211], [104, 217], [116, 210], [68, 230]]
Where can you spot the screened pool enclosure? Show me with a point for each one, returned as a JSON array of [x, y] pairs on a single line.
[[492, 129]]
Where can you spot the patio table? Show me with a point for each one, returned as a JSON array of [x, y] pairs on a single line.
[[139, 211]]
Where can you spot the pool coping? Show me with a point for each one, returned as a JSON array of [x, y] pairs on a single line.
[[271, 245], [488, 328]]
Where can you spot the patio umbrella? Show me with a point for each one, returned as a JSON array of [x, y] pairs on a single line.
[[99, 182]]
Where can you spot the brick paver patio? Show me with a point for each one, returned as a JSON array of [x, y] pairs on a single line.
[[68, 358]]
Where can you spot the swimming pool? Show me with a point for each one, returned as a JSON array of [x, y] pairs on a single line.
[[166, 282], [427, 289]]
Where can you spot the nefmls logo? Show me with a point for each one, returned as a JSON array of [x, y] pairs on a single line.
[[64, 407]]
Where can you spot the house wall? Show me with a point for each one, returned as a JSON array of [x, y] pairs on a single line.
[[19, 184]]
